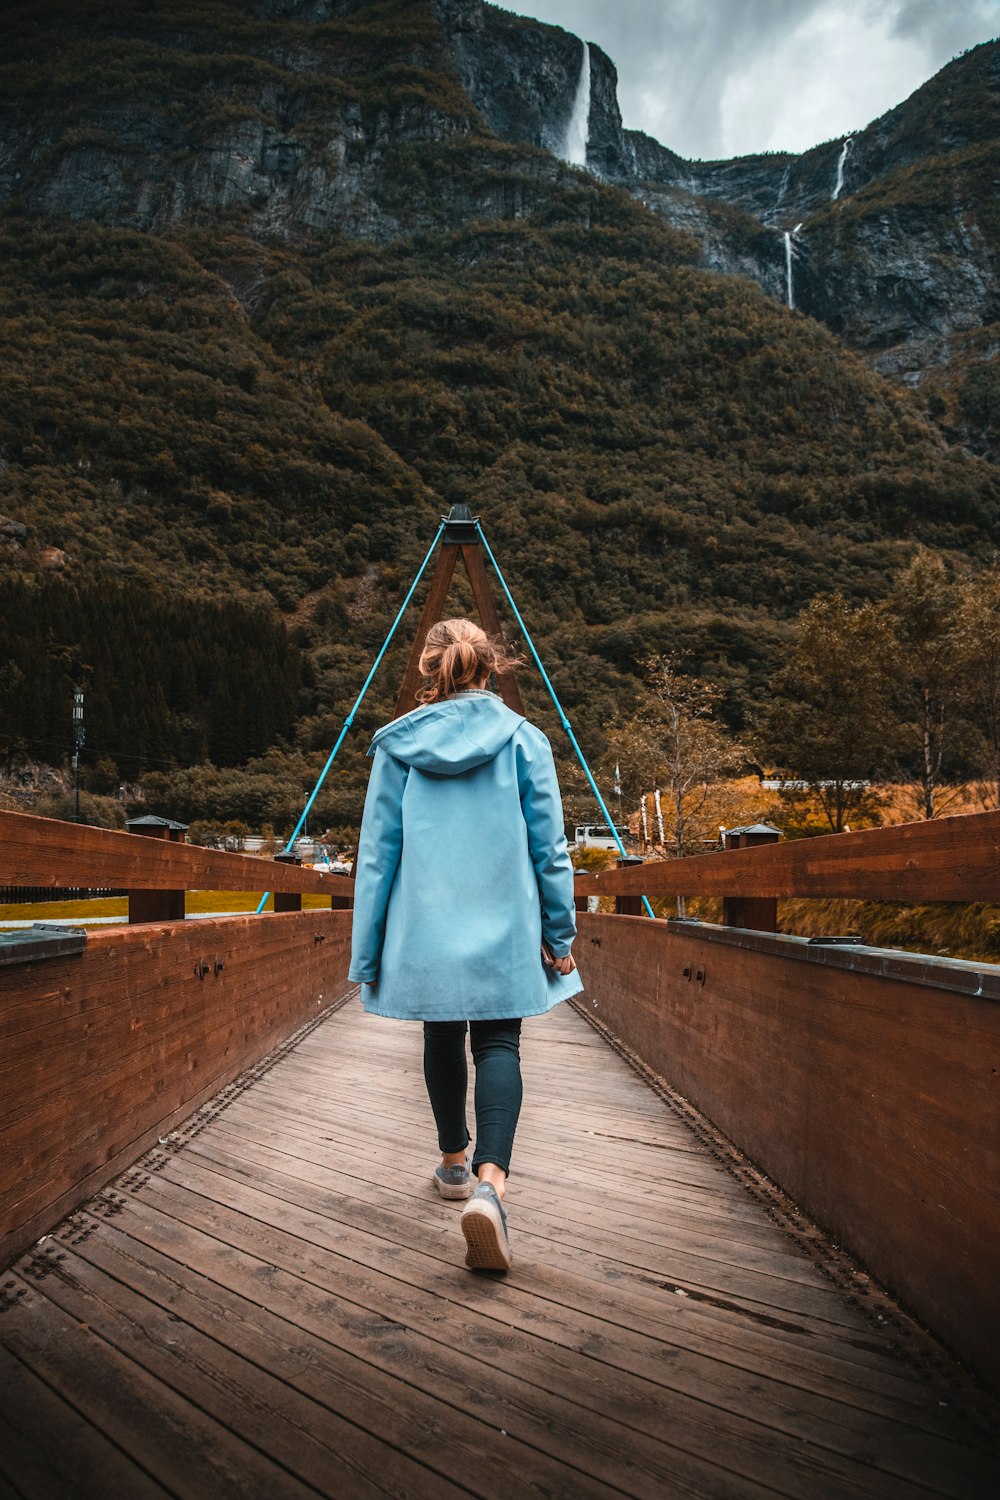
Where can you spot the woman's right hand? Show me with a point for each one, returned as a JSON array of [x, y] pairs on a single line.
[[561, 965]]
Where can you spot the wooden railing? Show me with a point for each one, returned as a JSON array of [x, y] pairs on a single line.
[[947, 859], [109, 1038], [864, 1081], [43, 852]]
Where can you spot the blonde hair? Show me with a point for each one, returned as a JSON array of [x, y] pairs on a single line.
[[458, 655]]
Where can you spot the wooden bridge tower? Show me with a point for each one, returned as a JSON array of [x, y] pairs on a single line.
[[461, 539]]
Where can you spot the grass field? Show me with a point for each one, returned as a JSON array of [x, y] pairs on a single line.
[[198, 902]]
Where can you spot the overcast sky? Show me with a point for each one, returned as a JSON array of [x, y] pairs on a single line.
[[720, 78]]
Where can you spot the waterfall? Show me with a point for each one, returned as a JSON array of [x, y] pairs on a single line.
[[659, 814], [578, 129], [783, 187], [790, 252], [839, 184], [645, 820]]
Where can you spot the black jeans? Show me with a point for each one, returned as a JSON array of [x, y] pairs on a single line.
[[496, 1054]]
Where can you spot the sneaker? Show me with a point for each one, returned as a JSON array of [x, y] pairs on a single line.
[[453, 1182], [484, 1225]]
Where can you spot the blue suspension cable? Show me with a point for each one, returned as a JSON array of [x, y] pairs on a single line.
[[357, 704], [559, 708]]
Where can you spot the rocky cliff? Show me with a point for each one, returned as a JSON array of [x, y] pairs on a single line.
[[291, 116], [897, 230], [332, 115]]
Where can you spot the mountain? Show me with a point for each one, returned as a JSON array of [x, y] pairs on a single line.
[[898, 243], [283, 280]]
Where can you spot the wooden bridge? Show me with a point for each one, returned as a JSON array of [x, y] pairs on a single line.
[[227, 1272]]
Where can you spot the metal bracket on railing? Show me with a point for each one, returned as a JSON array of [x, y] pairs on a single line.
[[41, 940]]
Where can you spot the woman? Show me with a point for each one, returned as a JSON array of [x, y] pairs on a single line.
[[463, 907]]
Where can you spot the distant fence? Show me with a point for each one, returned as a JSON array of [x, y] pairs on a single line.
[[26, 895]]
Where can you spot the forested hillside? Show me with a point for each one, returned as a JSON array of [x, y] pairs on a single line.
[[225, 403]]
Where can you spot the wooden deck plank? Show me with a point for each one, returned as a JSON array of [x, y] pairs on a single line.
[[696, 1260], [226, 1359], [219, 1290], [424, 1374], [83, 1461], [297, 1126], [581, 1317], [591, 1149], [702, 1425], [544, 1211], [602, 1370], [807, 1419], [620, 1260], [283, 1287], [563, 1340], [729, 1338], [189, 1451]]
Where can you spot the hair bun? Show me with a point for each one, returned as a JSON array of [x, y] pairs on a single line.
[[458, 655]]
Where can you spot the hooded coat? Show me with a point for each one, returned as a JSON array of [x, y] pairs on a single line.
[[462, 868]]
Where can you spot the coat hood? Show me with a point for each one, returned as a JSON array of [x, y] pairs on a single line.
[[452, 736]]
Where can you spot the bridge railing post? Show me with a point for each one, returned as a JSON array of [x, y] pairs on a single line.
[[343, 903], [157, 906], [628, 906], [760, 913], [288, 900]]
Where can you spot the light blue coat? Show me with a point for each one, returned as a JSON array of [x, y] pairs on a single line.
[[462, 868]]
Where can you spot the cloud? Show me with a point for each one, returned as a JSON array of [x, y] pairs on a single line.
[[829, 75], [719, 77], [946, 29]]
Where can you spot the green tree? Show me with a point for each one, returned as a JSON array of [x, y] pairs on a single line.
[[674, 742], [103, 777], [99, 812], [830, 723], [977, 633], [922, 609]]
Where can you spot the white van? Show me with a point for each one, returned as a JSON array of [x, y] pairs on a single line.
[[598, 836]]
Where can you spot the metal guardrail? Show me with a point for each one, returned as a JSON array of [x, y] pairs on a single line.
[[40, 941]]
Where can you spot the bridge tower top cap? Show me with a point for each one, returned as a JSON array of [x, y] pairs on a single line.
[[460, 526], [149, 821]]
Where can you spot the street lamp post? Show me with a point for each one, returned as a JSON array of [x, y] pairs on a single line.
[[79, 735]]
